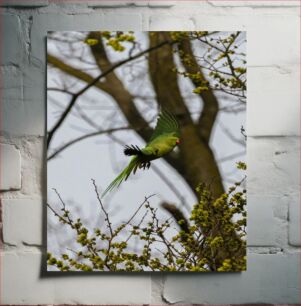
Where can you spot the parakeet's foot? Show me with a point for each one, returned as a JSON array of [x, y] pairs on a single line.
[[144, 165]]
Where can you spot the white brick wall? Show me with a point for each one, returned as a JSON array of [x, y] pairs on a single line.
[[24, 3], [273, 151], [13, 45], [266, 275], [10, 167], [24, 284], [294, 220], [29, 229]]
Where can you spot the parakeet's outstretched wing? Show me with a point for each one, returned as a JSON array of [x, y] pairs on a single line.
[[166, 123]]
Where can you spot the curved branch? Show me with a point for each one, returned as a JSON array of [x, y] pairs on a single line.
[[125, 100], [122, 98], [165, 81], [116, 89], [70, 70], [95, 80]]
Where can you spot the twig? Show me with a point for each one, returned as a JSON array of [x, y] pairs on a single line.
[[72, 142], [145, 201], [107, 219], [60, 90]]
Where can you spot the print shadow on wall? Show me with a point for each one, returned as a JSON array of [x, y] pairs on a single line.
[[146, 151]]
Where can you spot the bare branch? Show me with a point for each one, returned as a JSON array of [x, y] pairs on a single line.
[[60, 90], [107, 218], [74, 141]]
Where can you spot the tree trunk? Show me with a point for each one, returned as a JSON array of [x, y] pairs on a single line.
[[199, 164]]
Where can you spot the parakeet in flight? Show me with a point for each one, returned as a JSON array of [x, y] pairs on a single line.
[[163, 140]]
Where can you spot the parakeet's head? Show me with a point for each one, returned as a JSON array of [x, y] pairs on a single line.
[[174, 140]]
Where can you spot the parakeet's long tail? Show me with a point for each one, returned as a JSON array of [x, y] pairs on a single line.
[[132, 167]]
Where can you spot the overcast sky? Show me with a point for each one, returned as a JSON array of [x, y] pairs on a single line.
[[102, 159]]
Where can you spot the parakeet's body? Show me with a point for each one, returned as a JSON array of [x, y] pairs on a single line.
[[165, 137]]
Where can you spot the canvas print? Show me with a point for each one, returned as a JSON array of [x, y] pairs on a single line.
[[146, 151]]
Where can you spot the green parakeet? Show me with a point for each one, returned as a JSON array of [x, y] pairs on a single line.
[[163, 140]]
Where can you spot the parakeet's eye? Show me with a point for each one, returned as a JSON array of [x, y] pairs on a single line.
[[178, 141]]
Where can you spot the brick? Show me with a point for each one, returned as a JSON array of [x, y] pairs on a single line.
[[264, 47], [34, 80], [23, 93], [273, 101], [170, 23], [22, 221], [33, 166], [294, 221], [269, 279], [139, 3], [12, 98], [112, 4], [22, 283], [12, 83], [258, 4], [232, 21], [10, 167], [157, 285], [260, 214], [273, 165], [266, 214], [160, 3], [21, 280], [12, 43], [24, 3], [114, 21]]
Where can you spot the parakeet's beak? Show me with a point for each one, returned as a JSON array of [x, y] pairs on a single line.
[[178, 141]]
